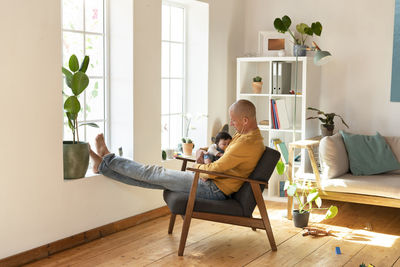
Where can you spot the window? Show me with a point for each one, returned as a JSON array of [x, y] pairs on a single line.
[[83, 30], [172, 75]]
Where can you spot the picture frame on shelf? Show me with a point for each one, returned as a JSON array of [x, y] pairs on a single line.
[[273, 44]]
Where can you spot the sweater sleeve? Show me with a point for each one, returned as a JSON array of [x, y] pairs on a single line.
[[228, 161]]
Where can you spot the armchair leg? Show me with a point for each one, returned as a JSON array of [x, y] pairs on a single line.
[[253, 228], [264, 215], [188, 215], [171, 223], [289, 207]]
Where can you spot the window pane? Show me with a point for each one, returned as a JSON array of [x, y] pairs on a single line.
[[94, 16], [176, 96], [165, 22], [72, 44], [176, 130], [177, 60], [165, 132], [165, 96], [95, 100], [177, 24], [67, 133], [94, 49], [72, 14], [165, 60], [92, 132]]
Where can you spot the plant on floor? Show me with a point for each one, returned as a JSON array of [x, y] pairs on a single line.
[[309, 198], [282, 25], [78, 81]]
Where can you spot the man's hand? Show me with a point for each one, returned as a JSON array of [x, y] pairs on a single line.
[[200, 156]]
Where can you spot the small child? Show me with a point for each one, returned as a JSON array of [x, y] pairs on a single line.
[[215, 151]]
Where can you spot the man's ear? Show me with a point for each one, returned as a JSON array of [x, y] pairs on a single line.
[[245, 120]]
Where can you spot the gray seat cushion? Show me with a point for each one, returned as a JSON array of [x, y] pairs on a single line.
[[177, 204], [241, 203]]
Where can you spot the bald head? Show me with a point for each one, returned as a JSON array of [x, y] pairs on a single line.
[[244, 108]]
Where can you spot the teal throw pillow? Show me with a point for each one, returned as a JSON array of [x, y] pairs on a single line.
[[369, 154]]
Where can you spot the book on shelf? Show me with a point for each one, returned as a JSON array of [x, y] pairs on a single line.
[[282, 191], [274, 116], [274, 78], [282, 114], [274, 143], [284, 152], [284, 73], [277, 115]]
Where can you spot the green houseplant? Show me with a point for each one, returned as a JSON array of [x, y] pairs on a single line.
[[307, 197], [257, 84], [327, 122], [283, 24], [75, 152]]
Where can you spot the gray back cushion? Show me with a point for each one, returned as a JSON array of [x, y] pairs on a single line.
[[262, 172]]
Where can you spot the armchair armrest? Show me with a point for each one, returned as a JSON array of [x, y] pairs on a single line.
[[219, 174], [184, 163]]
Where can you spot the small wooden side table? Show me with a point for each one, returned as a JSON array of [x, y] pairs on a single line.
[[302, 144]]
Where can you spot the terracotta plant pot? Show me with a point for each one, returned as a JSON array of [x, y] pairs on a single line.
[[257, 86], [300, 219], [327, 130], [187, 149]]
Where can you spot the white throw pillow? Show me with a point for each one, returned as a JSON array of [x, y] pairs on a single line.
[[394, 143], [333, 156]]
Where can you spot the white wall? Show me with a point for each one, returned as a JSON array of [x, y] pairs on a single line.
[[37, 205], [226, 44], [356, 84]]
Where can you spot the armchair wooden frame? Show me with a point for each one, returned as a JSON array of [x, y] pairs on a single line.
[[254, 223]]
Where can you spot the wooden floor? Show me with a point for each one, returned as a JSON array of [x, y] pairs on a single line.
[[365, 234]]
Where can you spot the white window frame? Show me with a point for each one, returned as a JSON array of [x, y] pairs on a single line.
[[105, 120], [184, 77]]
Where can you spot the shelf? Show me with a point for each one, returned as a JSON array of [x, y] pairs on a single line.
[[271, 95], [266, 128], [269, 59]]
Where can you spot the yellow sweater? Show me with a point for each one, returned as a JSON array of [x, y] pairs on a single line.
[[239, 159]]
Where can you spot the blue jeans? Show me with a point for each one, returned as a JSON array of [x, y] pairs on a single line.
[[156, 177]]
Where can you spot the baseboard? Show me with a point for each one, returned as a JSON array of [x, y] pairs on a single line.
[[81, 238]]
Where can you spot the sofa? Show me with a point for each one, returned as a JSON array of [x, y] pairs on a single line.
[[337, 182]]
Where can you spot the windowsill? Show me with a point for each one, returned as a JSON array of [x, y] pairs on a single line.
[[89, 174]]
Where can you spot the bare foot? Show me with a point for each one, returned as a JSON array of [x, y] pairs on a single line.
[[96, 160], [101, 147]]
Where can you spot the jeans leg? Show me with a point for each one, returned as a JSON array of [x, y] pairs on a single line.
[[134, 173], [128, 180]]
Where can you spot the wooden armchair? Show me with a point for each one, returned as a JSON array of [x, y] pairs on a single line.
[[236, 210]]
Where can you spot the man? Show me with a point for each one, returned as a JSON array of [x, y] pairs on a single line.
[[240, 158]]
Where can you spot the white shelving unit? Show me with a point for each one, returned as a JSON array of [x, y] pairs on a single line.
[[250, 67]]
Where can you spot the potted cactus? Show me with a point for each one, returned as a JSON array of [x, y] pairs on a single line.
[[187, 146], [282, 25], [257, 84], [75, 152]]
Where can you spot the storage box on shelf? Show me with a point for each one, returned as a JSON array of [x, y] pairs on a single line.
[[278, 76]]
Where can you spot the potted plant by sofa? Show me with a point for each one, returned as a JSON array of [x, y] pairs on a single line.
[[257, 84], [327, 122], [187, 146], [282, 25], [75, 152], [308, 199]]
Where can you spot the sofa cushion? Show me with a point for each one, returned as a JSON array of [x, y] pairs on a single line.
[[394, 143], [333, 156], [369, 154], [384, 185]]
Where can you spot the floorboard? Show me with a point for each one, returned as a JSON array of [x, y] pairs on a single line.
[[365, 234]]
